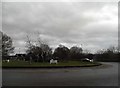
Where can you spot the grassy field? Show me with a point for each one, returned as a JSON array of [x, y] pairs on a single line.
[[47, 64]]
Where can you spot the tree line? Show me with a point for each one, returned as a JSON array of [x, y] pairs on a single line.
[[42, 52]]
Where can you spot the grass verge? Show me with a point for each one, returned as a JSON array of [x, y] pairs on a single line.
[[23, 64]]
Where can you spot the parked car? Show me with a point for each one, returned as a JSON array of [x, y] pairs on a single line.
[[87, 60]]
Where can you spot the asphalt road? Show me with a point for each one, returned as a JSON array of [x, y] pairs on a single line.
[[104, 75]]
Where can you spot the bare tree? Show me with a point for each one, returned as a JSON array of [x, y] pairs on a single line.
[[7, 45], [29, 45], [76, 52], [39, 50], [61, 53]]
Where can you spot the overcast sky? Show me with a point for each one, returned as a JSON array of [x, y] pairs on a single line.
[[92, 24]]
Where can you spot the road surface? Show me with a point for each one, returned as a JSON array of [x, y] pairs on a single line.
[[104, 75]]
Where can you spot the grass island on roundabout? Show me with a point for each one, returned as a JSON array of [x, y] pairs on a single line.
[[59, 64]]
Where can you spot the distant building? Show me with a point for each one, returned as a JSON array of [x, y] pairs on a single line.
[[17, 56], [20, 56]]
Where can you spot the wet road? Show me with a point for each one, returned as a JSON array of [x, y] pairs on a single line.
[[104, 75]]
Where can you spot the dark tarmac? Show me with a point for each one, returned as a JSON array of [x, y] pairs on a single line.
[[104, 75]]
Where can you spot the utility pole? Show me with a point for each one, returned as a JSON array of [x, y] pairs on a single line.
[[19, 50], [81, 48], [81, 45]]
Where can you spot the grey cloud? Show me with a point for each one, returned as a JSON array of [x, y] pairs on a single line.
[[61, 23]]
